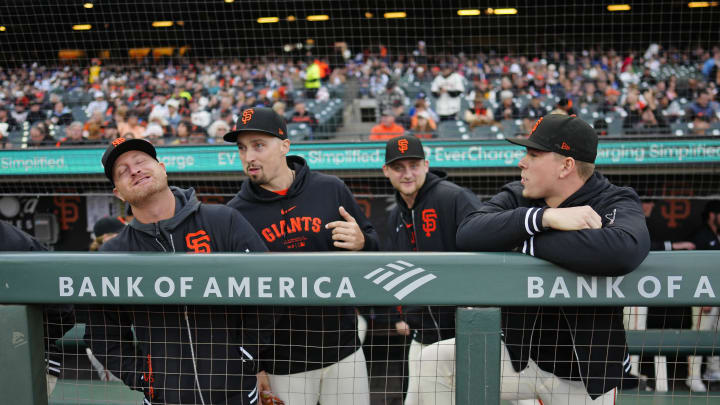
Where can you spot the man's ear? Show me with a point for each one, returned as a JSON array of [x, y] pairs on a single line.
[[385, 170], [117, 194], [285, 146], [568, 166]]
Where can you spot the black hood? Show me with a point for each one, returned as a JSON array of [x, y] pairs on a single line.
[[186, 203], [251, 192], [433, 178], [596, 184]]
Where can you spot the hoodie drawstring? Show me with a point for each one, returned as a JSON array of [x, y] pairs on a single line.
[[192, 354]]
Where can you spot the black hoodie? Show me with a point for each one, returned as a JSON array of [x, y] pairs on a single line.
[[430, 226], [305, 338], [577, 343], [161, 362]]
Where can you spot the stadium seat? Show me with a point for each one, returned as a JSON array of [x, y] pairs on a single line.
[[486, 132], [512, 128], [453, 129], [79, 114], [614, 124], [299, 131], [681, 128]]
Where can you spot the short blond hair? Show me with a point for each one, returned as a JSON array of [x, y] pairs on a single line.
[[584, 169]]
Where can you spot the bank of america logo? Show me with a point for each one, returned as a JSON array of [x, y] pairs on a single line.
[[401, 276]]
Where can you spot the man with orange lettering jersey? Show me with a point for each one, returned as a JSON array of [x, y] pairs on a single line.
[[183, 354], [428, 210], [297, 210]]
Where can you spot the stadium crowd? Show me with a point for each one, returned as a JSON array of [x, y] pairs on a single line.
[[488, 95]]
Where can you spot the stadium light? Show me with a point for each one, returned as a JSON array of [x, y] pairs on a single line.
[[291, 18], [81, 27], [319, 17], [395, 14], [618, 7], [229, 1], [700, 4], [88, 5], [368, 14], [469, 12], [267, 20], [162, 24], [505, 11], [2, 28]]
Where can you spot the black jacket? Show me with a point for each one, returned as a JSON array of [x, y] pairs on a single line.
[[58, 319], [430, 226], [305, 338], [578, 343], [224, 339], [706, 239]]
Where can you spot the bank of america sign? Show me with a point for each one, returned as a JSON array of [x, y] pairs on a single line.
[[400, 278]]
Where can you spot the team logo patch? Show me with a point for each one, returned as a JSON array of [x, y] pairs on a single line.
[[536, 125], [117, 142], [429, 217], [565, 146], [247, 115], [280, 131], [198, 242], [403, 146]]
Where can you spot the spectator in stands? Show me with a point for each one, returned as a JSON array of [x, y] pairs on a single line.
[[20, 113], [422, 105], [392, 97], [154, 134], [610, 104], [533, 112], [110, 131], [36, 114], [132, 125], [98, 104], [217, 130], [564, 107], [312, 80], [182, 133], [173, 115], [422, 125], [507, 110], [401, 117], [60, 115], [645, 117], [3, 136], [590, 95], [419, 190], [387, 128], [705, 318], [198, 136], [280, 108], [94, 127], [40, 136], [703, 108], [447, 88], [478, 114], [74, 135], [5, 118], [302, 115]]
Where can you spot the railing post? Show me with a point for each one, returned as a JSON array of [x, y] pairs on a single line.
[[477, 354], [22, 375]]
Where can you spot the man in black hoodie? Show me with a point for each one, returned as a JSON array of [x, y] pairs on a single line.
[[297, 210], [565, 212], [184, 354], [428, 210], [58, 319]]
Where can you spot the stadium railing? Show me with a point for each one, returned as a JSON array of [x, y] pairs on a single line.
[[464, 279]]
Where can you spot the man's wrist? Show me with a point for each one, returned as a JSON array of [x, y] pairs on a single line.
[[534, 220]]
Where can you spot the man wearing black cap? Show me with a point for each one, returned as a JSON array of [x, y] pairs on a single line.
[[563, 211], [428, 209], [183, 354], [297, 210]]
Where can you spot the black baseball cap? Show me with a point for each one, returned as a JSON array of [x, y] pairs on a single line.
[[403, 147], [567, 135], [121, 145], [107, 225], [258, 119]]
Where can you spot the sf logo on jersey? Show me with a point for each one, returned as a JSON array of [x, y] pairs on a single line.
[[198, 242]]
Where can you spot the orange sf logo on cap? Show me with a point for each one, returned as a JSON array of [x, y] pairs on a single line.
[[247, 115], [117, 142], [536, 125], [403, 145]]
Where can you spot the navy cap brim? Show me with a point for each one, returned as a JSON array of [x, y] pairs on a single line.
[[526, 142], [131, 144]]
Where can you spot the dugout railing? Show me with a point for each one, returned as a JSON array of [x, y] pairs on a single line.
[[352, 279]]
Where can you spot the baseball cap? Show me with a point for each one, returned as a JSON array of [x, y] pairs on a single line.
[[120, 146], [567, 135], [258, 119], [403, 147], [107, 225]]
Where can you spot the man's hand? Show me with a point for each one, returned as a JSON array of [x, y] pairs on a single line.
[[346, 234], [263, 382], [571, 219], [402, 328], [683, 246]]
